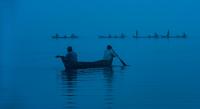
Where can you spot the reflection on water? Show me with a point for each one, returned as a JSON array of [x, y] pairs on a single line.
[[73, 78], [70, 79], [108, 75]]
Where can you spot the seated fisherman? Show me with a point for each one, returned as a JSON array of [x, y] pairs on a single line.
[[71, 56], [109, 54]]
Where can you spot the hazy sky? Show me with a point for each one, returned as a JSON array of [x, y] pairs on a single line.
[[90, 17], [25, 20]]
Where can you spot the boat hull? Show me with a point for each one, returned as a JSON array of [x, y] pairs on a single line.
[[84, 65]]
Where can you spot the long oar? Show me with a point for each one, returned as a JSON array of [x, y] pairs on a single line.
[[124, 64]]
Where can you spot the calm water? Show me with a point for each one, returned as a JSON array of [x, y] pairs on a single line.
[[162, 74]]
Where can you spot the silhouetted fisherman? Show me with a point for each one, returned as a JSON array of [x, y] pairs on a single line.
[[65, 36], [109, 54], [136, 34], [56, 36], [168, 34], [122, 35], [156, 35], [184, 35], [71, 56]]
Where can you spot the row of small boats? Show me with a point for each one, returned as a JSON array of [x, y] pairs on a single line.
[[122, 36], [149, 36], [155, 35]]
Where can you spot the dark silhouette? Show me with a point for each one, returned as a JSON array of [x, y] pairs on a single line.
[[71, 56], [184, 35], [122, 36], [136, 34], [65, 36], [109, 36], [56, 36], [70, 61], [156, 35], [109, 54], [168, 34]]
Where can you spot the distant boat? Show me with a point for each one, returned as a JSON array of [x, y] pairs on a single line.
[[156, 36], [122, 36], [184, 35], [115, 36], [56, 36], [146, 37], [72, 36], [177, 36]]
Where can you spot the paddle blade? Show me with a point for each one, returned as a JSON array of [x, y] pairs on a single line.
[[124, 64]]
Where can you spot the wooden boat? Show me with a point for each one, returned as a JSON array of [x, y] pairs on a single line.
[[84, 65]]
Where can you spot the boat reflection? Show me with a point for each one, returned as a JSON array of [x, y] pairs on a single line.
[[69, 84], [72, 79], [108, 74]]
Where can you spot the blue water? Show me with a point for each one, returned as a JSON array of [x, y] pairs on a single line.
[[162, 73]]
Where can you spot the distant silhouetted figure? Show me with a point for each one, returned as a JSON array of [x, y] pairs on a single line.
[[122, 35], [168, 34], [56, 36], [184, 35], [156, 35], [109, 36], [71, 56], [65, 36], [136, 33]]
